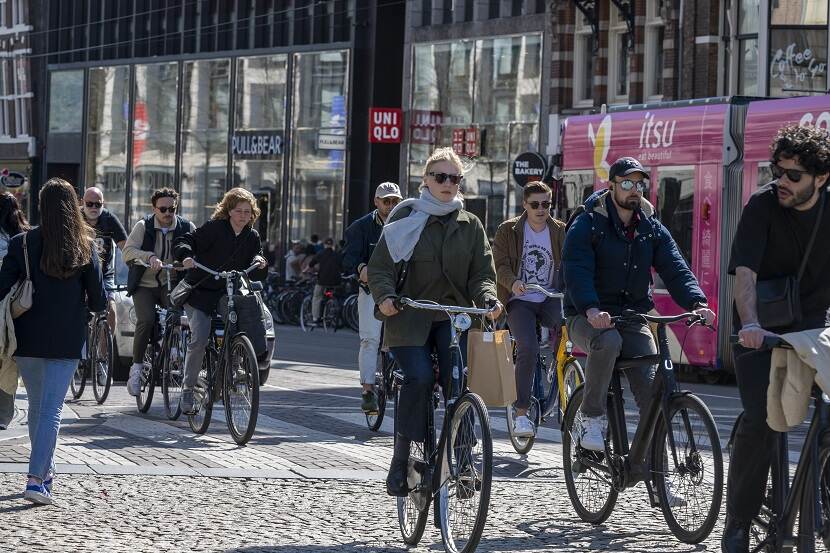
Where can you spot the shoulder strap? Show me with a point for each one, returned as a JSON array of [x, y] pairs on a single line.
[[812, 236], [26, 256]]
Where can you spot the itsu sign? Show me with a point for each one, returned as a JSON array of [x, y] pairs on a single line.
[[385, 125]]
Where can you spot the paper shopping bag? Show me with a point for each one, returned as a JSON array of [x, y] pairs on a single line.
[[491, 374]]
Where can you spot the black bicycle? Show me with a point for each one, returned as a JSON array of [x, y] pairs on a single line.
[[385, 386], [98, 362], [803, 502], [164, 356], [229, 372], [456, 472], [675, 449]]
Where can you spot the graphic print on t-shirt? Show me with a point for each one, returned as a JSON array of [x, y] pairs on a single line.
[[537, 262]]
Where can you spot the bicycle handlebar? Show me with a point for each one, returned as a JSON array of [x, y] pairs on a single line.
[[433, 306], [770, 342], [691, 318], [165, 266], [537, 288], [224, 274]]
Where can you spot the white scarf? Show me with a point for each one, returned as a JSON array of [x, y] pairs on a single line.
[[402, 235]]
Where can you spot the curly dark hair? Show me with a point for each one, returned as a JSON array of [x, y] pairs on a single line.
[[164, 193], [810, 145]]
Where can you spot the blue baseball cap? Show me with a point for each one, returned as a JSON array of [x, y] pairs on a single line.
[[625, 166]]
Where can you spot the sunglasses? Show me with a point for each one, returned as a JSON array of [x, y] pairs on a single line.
[[390, 201], [441, 177], [96, 205], [629, 185], [793, 175], [535, 205], [167, 209]]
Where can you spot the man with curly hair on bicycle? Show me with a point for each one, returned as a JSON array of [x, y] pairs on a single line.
[[528, 250], [773, 236], [611, 244]]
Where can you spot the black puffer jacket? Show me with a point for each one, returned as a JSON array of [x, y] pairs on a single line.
[[215, 245]]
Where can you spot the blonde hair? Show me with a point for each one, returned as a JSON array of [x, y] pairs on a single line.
[[233, 198], [443, 154]]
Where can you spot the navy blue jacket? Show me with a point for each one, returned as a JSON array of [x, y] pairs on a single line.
[[55, 326], [602, 268], [361, 238]]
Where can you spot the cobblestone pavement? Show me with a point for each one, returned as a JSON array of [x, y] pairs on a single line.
[[309, 480]]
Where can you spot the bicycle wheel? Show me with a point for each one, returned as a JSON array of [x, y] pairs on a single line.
[[172, 376], [331, 314], [78, 382], [414, 508], [523, 445], [572, 376], [203, 395], [464, 498], [688, 481], [306, 317], [241, 392], [587, 474], [102, 361], [148, 379], [374, 420], [824, 498]]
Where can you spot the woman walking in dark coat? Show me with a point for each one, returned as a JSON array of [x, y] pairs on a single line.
[[66, 277]]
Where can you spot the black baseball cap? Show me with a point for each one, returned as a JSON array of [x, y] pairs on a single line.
[[625, 166]]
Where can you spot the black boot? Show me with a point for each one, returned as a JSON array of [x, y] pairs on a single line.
[[396, 485], [735, 536]]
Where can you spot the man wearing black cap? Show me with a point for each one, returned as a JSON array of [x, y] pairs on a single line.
[[609, 251]]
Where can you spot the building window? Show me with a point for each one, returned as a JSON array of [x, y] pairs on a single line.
[[154, 134], [106, 143], [66, 93], [204, 137], [583, 82], [655, 34], [748, 14], [798, 48], [619, 59]]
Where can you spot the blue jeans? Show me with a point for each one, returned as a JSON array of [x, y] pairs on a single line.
[[416, 392], [46, 381]]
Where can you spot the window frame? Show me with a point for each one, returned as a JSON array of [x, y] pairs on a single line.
[[583, 52], [654, 22], [617, 29]]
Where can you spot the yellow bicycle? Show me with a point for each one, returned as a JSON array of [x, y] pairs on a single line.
[[553, 384]]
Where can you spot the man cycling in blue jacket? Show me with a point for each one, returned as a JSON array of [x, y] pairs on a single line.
[[608, 254]]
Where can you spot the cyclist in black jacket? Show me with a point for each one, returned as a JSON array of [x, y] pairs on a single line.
[[327, 263], [361, 238]]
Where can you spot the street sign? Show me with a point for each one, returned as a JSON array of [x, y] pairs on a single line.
[[330, 141], [12, 179], [385, 125], [529, 166]]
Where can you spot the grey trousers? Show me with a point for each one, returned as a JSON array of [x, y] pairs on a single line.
[[603, 347], [199, 335], [145, 301]]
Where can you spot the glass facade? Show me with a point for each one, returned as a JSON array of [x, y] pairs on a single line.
[[318, 145], [67, 93], [108, 112], [494, 86]]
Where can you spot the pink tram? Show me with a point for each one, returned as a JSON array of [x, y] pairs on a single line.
[[706, 157]]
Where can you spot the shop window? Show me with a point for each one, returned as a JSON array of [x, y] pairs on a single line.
[[583, 83], [316, 196], [204, 137], [675, 209], [154, 134], [443, 80], [261, 84], [106, 141], [798, 61], [66, 93], [801, 13]]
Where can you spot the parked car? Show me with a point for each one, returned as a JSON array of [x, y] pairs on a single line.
[[125, 322]]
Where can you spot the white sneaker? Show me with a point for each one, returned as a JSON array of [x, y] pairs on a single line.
[[523, 428], [134, 382], [672, 498], [591, 433]]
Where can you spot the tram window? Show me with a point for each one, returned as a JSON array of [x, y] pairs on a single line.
[[764, 174], [675, 209], [577, 186]]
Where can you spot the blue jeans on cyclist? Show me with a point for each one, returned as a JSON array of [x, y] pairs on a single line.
[[603, 348], [416, 394], [199, 322], [522, 317]]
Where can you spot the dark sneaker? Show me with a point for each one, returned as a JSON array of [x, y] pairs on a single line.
[[188, 402], [396, 480], [370, 403]]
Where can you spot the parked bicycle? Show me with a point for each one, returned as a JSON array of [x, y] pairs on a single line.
[[807, 496], [675, 449], [164, 357], [553, 384], [229, 369], [455, 472], [98, 362]]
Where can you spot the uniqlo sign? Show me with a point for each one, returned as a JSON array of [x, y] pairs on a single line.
[[465, 141], [385, 125]]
